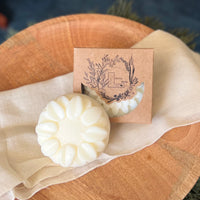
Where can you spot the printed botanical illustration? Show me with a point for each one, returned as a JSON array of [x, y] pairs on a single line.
[[112, 74]]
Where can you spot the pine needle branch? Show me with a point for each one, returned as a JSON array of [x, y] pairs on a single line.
[[123, 8], [186, 36], [153, 22]]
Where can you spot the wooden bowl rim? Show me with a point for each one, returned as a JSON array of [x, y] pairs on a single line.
[[75, 17]]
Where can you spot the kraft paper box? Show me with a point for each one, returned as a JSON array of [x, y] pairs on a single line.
[[120, 79]]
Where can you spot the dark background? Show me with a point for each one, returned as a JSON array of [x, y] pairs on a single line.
[[16, 15]]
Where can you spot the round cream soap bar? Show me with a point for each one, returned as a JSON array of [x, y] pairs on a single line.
[[73, 130]]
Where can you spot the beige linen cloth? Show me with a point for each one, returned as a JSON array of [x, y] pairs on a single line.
[[176, 102]]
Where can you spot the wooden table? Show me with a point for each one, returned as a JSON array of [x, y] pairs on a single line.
[[166, 170]]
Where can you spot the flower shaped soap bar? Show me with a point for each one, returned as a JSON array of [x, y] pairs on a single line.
[[117, 109], [73, 130]]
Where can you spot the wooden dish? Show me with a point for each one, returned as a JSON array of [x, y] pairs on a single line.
[[166, 170]]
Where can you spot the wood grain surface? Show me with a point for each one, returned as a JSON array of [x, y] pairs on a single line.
[[166, 170]]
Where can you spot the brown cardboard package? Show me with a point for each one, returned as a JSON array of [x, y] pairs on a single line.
[[114, 76]]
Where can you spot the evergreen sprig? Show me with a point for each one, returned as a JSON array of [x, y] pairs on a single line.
[[123, 8], [186, 35], [153, 22], [194, 194]]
